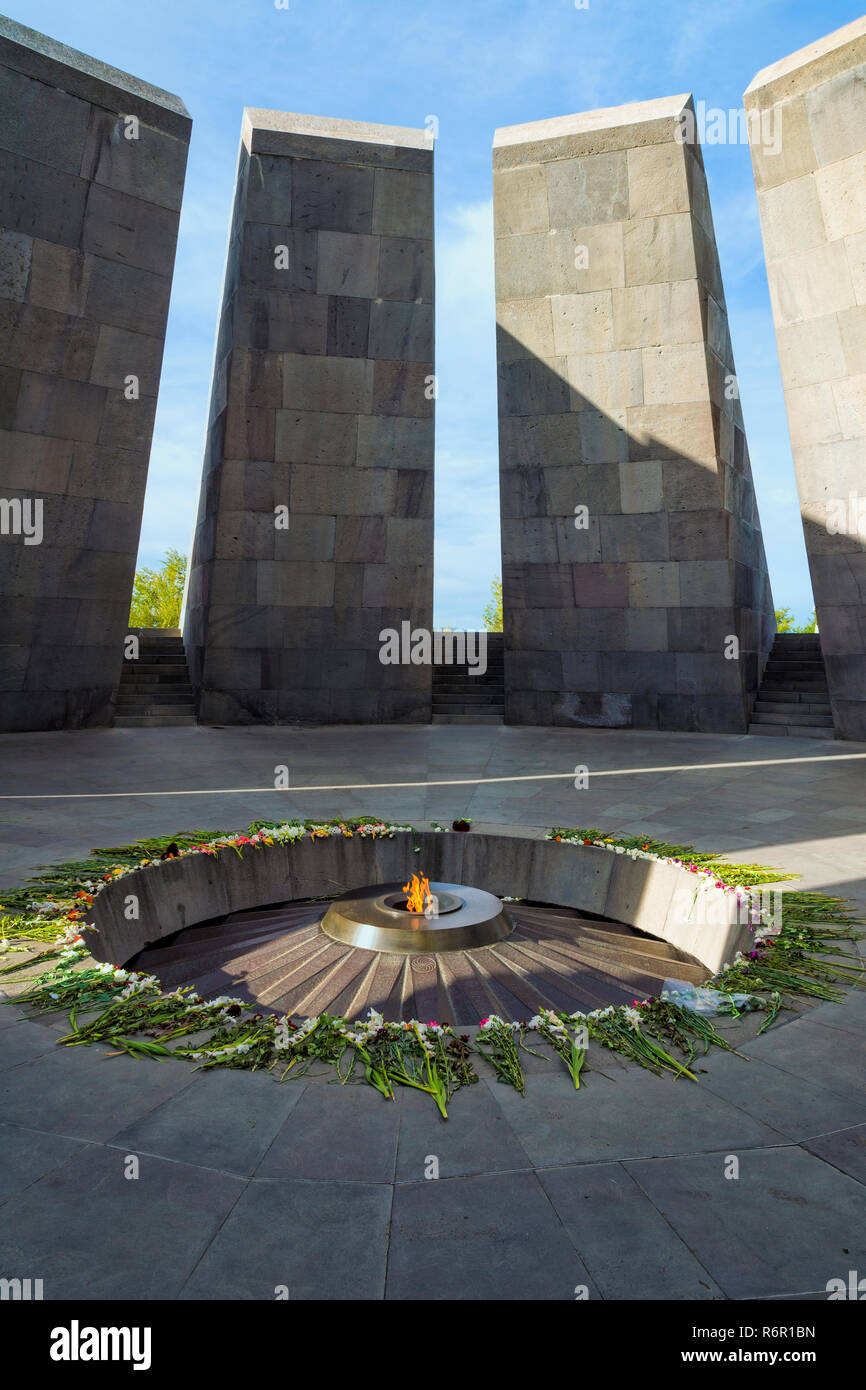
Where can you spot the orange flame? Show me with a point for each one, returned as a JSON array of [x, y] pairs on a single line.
[[417, 890]]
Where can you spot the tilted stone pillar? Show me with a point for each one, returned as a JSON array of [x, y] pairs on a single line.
[[92, 165], [807, 126], [315, 525], [632, 551]]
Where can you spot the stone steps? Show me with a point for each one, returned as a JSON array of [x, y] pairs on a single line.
[[172, 691], [799, 716], [793, 699], [780, 709], [466, 715], [469, 697], [792, 730], [795, 670], [787, 696], [161, 670], [459, 697], [155, 691], [155, 721]]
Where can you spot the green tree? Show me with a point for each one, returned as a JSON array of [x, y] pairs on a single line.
[[158, 594], [785, 622], [492, 615]]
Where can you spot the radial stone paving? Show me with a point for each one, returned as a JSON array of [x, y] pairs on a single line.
[[279, 957]]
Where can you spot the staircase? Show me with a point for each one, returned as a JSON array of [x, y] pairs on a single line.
[[155, 691], [461, 698], [793, 698]]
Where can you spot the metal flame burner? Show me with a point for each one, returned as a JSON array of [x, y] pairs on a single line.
[[376, 920]]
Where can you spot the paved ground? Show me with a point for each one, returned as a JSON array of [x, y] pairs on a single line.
[[245, 1185], [797, 802]]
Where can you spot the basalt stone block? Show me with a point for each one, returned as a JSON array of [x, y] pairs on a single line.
[[645, 630], [620, 450], [348, 264], [395, 441], [92, 165], [701, 714], [402, 389], [808, 138], [315, 436], [403, 203], [321, 403], [41, 201], [119, 227], [16, 254], [295, 323], [406, 269], [400, 332], [331, 197], [348, 332], [117, 294]]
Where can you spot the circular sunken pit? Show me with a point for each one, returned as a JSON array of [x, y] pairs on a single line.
[[582, 927], [377, 919]]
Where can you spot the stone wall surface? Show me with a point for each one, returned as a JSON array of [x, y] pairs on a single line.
[[617, 394], [808, 134], [322, 405], [655, 897], [88, 229]]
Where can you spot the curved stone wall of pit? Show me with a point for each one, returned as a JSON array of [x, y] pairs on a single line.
[[657, 898]]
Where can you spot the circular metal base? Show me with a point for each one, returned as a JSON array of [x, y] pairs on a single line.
[[372, 919]]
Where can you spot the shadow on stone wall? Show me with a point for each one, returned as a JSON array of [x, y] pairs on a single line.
[[834, 532], [621, 616]]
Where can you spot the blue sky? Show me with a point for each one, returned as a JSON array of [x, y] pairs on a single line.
[[476, 65]]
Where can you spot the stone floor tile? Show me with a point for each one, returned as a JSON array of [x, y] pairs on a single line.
[[227, 1120], [85, 1094], [845, 1149], [491, 1237], [26, 1154], [307, 1240], [476, 1137], [788, 1223], [627, 1246], [336, 1134], [90, 1232], [637, 1115], [793, 1105]]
